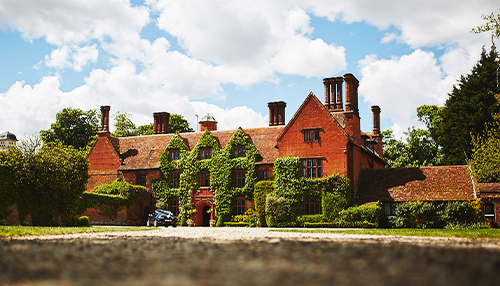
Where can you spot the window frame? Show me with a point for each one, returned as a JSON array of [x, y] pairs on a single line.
[[174, 154], [239, 152], [311, 135], [489, 214], [239, 206], [263, 175], [239, 178], [308, 207], [205, 179], [173, 206], [141, 180], [312, 168], [174, 179], [205, 153], [390, 209]]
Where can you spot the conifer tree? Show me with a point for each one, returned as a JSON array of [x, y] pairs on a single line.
[[469, 108]]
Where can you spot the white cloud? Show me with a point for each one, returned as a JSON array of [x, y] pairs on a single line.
[[389, 37], [421, 23], [74, 57], [401, 84], [62, 22], [230, 118], [250, 36]]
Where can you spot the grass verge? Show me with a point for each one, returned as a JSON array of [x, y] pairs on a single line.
[[474, 234], [47, 230]]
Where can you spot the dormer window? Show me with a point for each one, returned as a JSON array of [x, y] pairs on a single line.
[[239, 152], [311, 135], [175, 155], [206, 153]]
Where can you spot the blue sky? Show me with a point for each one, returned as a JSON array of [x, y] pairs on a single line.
[[230, 58]]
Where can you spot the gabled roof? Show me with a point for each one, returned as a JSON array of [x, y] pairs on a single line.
[[143, 152], [442, 183], [315, 100]]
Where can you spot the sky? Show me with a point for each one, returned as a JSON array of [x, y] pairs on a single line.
[[230, 58]]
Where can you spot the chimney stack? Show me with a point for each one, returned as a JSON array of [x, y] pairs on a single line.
[[160, 124], [276, 113], [104, 128], [351, 88], [333, 93], [376, 136]]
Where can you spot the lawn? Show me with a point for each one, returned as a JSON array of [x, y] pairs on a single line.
[[474, 234], [48, 230]]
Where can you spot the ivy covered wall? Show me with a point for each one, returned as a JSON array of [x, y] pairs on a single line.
[[221, 167], [334, 189]]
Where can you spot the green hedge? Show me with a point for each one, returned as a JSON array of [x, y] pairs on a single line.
[[261, 190], [236, 224], [341, 224], [362, 213], [436, 215]]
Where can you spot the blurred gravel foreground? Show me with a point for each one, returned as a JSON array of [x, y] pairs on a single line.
[[235, 256]]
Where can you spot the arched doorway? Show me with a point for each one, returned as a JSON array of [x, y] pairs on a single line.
[[206, 216]]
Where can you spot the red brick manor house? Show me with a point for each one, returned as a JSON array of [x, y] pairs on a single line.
[[326, 136]]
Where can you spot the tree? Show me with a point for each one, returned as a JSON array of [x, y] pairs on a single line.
[[73, 127], [48, 180], [468, 109], [493, 25], [125, 127], [177, 123], [486, 151], [418, 150]]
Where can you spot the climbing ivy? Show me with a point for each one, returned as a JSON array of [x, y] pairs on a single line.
[[221, 167], [334, 189]]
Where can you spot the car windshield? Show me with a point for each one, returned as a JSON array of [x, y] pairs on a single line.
[[163, 212]]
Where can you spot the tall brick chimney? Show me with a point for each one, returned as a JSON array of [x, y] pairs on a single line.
[[208, 123], [104, 128], [377, 138], [351, 88], [160, 124], [276, 113], [333, 93]]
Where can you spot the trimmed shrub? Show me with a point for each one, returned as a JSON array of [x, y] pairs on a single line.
[[416, 215], [261, 190], [310, 219], [341, 224], [362, 213], [235, 224], [277, 208]]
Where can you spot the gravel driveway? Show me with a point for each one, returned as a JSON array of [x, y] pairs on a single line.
[[245, 256]]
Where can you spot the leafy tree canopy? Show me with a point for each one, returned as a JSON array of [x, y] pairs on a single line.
[[73, 127], [418, 149], [125, 127], [468, 108], [47, 181], [492, 24]]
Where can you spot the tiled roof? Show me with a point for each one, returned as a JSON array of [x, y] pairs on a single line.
[[489, 187], [143, 152], [443, 183]]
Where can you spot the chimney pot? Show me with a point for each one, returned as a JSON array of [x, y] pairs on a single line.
[[104, 119]]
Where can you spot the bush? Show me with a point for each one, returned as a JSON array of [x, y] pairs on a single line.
[[463, 212], [362, 213], [341, 224], [416, 215], [83, 221], [277, 208], [236, 224], [261, 190], [310, 219]]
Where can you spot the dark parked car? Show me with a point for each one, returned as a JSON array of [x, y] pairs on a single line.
[[161, 217]]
